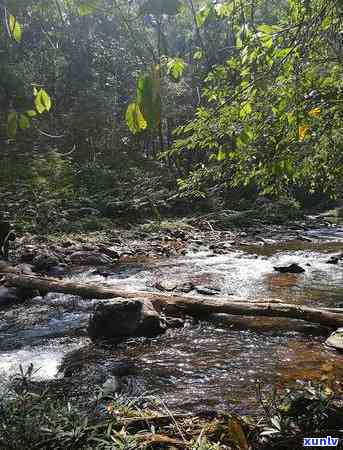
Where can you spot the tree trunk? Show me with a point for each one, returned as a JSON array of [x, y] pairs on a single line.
[[171, 303]]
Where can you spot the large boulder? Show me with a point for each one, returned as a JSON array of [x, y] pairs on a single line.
[[120, 319]]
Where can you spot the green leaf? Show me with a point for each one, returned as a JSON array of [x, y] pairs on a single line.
[[224, 9], [268, 29], [245, 110], [31, 113], [46, 100], [42, 101], [175, 68], [15, 28], [134, 118], [148, 99], [221, 155], [12, 124], [203, 15], [24, 122]]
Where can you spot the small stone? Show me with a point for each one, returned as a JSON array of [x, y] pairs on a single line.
[[292, 268]]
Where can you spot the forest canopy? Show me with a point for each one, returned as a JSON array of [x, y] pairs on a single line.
[[216, 94]]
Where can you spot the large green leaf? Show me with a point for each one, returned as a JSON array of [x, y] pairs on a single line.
[[175, 68], [159, 7], [148, 99], [42, 101], [12, 124], [15, 28], [135, 119]]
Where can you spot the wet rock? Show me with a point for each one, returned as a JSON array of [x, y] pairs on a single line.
[[90, 258], [45, 261], [292, 268], [186, 287], [120, 319], [333, 260], [205, 290], [112, 252], [335, 340]]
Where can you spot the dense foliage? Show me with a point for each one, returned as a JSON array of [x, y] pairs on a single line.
[[227, 97]]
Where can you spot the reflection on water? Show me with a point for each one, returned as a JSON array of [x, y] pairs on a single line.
[[208, 365]]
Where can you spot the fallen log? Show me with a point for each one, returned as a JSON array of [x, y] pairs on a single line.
[[171, 303]]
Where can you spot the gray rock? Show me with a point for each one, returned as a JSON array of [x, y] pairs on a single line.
[[90, 258], [120, 319], [336, 339]]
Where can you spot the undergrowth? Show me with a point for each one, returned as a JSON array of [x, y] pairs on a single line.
[[33, 417]]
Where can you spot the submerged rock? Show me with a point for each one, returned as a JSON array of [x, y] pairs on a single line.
[[120, 319], [335, 340], [292, 268]]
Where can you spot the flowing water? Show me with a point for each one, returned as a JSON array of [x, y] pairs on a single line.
[[202, 365]]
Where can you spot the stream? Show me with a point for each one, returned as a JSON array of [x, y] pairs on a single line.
[[203, 365]]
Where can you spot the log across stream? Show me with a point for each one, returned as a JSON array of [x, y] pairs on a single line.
[[185, 304]]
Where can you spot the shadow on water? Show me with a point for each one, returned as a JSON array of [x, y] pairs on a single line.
[[216, 364]]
